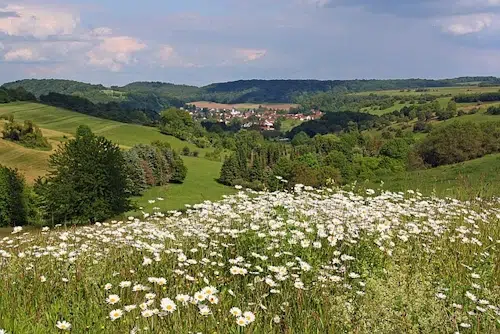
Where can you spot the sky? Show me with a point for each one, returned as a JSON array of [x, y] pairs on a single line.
[[198, 42]]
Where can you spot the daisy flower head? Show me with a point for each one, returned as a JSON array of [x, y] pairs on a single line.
[[204, 310], [115, 314], [235, 311], [242, 321], [249, 316], [168, 305], [112, 299], [63, 325]]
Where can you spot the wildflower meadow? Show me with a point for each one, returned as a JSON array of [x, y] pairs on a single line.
[[301, 261]]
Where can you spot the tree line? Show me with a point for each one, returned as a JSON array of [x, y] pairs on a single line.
[[159, 95], [477, 97], [90, 179], [351, 155]]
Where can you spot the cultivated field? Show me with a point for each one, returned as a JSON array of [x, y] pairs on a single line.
[[59, 124], [64, 121], [243, 106], [436, 91], [297, 262]]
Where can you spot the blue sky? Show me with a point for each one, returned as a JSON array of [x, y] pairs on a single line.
[[202, 41]]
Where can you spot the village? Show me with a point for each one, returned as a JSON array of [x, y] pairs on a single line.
[[263, 117]]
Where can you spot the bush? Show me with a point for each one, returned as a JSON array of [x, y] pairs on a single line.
[[494, 110], [28, 134], [451, 143], [186, 151]]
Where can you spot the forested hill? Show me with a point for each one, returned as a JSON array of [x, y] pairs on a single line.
[[157, 95]]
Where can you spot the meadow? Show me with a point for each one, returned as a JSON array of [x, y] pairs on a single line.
[[466, 89], [58, 125], [467, 180], [66, 122], [305, 261], [200, 185]]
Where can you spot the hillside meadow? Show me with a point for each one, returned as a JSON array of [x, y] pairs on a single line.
[[59, 125], [65, 121], [305, 261], [465, 89]]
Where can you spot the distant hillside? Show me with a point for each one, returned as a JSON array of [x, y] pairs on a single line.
[[44, 86], [158, 95], [183, 92]]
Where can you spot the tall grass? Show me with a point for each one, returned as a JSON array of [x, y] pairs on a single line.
[[309, 261]]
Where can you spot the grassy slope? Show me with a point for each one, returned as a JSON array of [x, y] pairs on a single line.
[[466, 180], [56, 123], [437, 91], [66, 122], [200, 185]]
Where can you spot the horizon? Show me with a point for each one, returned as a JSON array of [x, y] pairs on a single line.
[[250, 79], [193, 43]]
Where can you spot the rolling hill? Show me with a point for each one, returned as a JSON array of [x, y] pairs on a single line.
[[57, 124], [152, 94]]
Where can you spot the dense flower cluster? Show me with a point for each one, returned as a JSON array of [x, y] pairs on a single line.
[[245, 259]]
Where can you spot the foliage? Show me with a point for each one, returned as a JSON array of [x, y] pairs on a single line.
[[87, 180], [180, 124], [494, 110], [28, 134], [158, 95], [459, 141], [179, 170], [14, 200], [110, 110], [479, 97]]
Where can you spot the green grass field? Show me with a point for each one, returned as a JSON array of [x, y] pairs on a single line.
[[289, 124], [64, 121], [466, 180], [58, 125], [436, 91], [199, 186]]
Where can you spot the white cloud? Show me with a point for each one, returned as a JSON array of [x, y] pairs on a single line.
[[23, 54], [101, 31], [166, 53], [37, 21], [467, 24], [167, 56], [250, 54], [114, 52]]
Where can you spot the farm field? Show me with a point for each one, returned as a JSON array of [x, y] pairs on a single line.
[[289, 124], [436, 91], [242, 106], [298, 262], [65, 121]]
